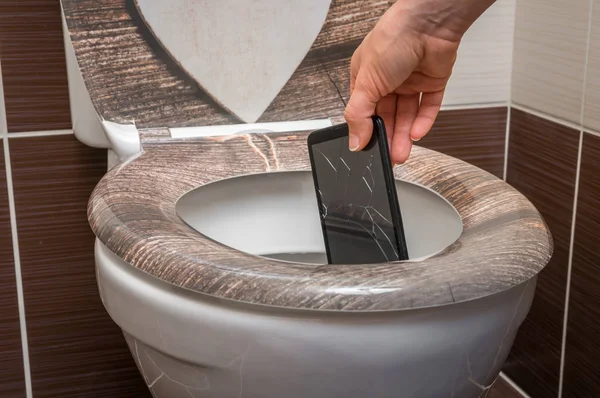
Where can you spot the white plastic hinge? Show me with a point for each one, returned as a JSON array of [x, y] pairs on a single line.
[[124, 139]]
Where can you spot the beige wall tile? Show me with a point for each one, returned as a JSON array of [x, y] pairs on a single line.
[[550, 48], [591, 118], [483, 67]]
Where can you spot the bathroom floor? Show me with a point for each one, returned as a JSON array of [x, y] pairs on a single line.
[[503, 390]]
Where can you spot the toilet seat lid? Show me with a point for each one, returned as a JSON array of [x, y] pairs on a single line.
[[184, 63]]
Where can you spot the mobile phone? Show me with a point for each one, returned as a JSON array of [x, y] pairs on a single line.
[[356, 197]]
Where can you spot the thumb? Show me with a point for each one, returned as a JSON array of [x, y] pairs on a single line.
[[359, 110]]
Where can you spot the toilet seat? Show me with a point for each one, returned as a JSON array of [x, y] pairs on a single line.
[[132, 212]]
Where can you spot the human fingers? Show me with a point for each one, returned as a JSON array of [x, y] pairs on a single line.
[[386, 58], [407, 107], [418, 80], [386, 108], [359, 110], [354, 67], [428, 111]]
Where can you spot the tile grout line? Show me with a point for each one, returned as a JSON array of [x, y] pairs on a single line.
[[510, 104], [554, 119], [569, 269], [482, 105], [591, 132], [575, 200], [506, 143], [514, 385], [17, 261], [546, 116], [503, 375], [15, 244], [40, 133]]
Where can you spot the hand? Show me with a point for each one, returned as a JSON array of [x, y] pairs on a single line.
[[401, 69]]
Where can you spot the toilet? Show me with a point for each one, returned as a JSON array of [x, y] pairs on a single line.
[[209, 253]]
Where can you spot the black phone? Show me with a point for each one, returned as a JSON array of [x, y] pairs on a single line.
[[357, 199]]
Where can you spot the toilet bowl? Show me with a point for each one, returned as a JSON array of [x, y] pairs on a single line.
[[188, 345], [209, 253], [213, 267]]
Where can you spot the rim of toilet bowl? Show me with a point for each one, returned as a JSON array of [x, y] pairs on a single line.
[[504, 243]]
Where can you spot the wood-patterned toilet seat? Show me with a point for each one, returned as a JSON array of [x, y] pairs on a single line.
[[504, 242]]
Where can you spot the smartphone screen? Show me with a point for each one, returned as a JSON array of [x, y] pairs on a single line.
[[356, 195]]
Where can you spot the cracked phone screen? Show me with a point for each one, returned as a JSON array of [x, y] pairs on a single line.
[[354, 203]]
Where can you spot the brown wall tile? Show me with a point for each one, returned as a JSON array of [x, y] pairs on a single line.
[[12, 381], [476, 136], [542, 162], [33, 65], [582, 354], [75, 348]]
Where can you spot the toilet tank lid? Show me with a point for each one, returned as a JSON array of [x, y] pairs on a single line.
[[149, 61]]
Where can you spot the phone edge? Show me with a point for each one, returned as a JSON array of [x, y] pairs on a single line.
[[327, 133], [390, 180], [309, 143]]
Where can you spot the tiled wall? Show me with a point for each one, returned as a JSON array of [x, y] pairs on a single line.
[[482, 71], [33, 65], [554, 158], [56, 340], [65, 345]]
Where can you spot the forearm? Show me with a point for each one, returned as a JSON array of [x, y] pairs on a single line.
[[443, 19]]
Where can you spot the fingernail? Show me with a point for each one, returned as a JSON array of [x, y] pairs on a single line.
[[354, 142], [415, 139]]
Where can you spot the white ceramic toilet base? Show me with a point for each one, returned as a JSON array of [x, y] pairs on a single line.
[[189, 345]]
